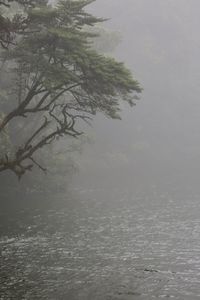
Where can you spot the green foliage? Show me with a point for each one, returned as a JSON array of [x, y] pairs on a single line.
[[13, 19], [59, 80]]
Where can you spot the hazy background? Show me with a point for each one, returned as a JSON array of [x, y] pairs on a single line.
[[157, 142]]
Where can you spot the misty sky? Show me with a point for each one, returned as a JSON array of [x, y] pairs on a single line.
[[160, 44]]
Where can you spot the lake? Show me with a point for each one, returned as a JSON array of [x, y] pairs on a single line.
[[104, 245]]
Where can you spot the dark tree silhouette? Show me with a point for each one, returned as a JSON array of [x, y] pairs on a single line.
[[58, 81]]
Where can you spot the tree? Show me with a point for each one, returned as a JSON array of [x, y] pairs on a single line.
[[12, 24], [58, 80]]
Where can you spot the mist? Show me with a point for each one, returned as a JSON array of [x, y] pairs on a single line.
[[159, 137], [116, 214]]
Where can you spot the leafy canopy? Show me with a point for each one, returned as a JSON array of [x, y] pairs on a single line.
[[59, 79]]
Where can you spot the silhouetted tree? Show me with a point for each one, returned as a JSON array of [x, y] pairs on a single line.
[[57, 80]]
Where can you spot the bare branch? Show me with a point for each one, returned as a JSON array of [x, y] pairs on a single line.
[[40, 129], [38, 165]]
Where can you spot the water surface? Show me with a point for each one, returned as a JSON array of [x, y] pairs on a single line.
[[105, 245]]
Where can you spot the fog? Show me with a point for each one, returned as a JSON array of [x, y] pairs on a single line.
[[117, 216], [158, 138]]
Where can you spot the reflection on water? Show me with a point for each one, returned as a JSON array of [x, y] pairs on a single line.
[[106, 245]]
